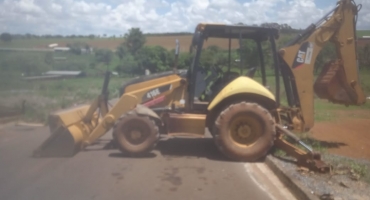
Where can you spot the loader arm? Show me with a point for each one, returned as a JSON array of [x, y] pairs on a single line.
[[338, 81], [157, 91], [78, 127]]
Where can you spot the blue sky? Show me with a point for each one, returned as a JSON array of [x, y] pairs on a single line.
[[115, 17]]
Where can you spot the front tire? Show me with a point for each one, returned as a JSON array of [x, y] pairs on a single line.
[[136, 135], [244, 131]]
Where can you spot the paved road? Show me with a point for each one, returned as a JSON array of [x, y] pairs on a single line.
[[177, 169]]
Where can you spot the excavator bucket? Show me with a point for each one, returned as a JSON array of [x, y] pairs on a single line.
[[333, 85], [67, 133]]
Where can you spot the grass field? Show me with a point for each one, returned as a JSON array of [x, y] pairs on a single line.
[[43, 97], [165, 41], [361, 33], [46, 96], [324, 110]]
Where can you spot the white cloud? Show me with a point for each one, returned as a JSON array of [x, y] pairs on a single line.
[[115, 17], [364, 15]]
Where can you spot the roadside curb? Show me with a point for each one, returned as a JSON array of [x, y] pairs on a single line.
[[7, 120], [291, 183], [29, 124], [15, 122]]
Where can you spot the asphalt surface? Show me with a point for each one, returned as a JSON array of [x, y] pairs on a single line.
[[176, 169]]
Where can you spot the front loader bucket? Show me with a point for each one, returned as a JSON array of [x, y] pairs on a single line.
[[62, 143], [67, 133]]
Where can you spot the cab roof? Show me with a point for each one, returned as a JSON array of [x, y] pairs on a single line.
[[233, 31]]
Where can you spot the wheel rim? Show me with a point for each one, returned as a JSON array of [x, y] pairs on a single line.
[[245, 130], [135, 132]]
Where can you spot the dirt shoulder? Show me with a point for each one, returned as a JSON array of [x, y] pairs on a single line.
[[344, 143], [341, 184], [348, 135]]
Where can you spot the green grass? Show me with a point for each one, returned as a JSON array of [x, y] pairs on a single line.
[[44, 42], [350, 166], [58, 94], [323, 109], [43, 97], [361, 33]]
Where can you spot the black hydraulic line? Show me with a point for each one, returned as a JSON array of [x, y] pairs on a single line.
[[294, 137], [277, 70], [310, 29], [229, 55], [241, 53], [355, 25], [285, 73], [106, 83], [262, 62], [195, 66]]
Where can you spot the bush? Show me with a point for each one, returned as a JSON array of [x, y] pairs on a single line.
[[28, 63]]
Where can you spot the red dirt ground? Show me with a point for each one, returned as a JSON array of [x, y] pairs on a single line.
[[349, 135]]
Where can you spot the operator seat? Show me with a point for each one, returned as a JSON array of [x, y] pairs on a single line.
[[218, 84]]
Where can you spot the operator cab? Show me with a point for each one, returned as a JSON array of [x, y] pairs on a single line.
[[214, 67]]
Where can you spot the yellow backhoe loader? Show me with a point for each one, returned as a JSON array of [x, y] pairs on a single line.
[[244, 117]]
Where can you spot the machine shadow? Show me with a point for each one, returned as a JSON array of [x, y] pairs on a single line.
[[121, 155], [175, 147], [319, 144], [192, 148]]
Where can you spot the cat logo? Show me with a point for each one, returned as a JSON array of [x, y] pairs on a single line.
[[301, 56], [304, 55]]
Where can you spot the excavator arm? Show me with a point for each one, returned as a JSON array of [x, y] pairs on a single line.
[[338, 81]]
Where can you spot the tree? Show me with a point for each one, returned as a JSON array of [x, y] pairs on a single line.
[[24, 62], [128, 66], [104, 56], [6, 37], [134, 40], [249, 53], [121, 51], [154, 58], [74, 48], [184, 61], [49, 58]]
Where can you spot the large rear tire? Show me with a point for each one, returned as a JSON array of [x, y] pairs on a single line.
[[136, 135], [244, 132]]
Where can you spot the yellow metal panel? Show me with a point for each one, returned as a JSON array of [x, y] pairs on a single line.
[[241, 85], [68, 117], [173, 95], [186, 124], [127, 102]]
